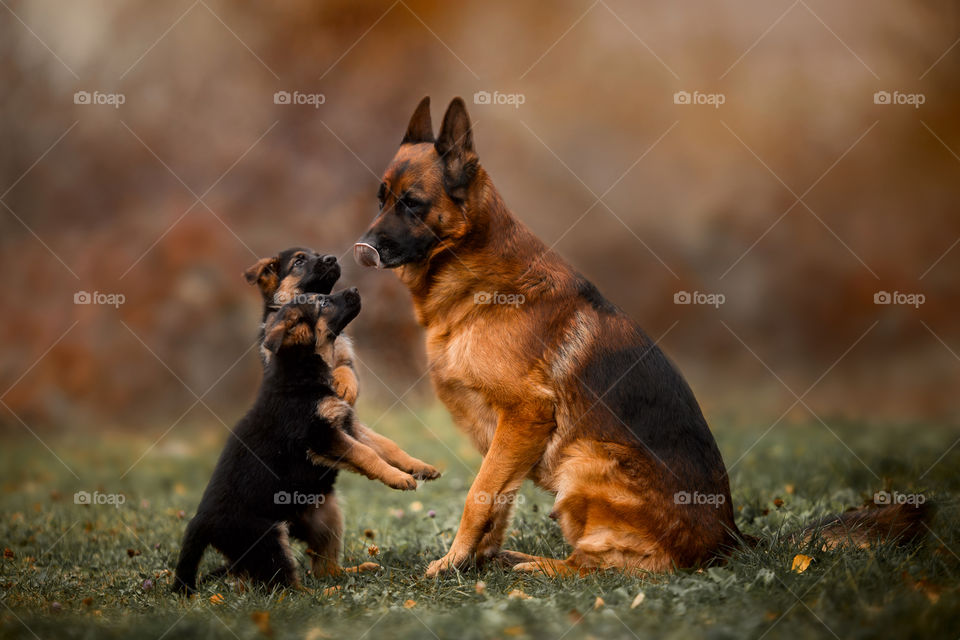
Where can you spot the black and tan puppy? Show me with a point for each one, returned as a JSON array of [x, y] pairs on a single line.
[[290, 275], [275, 477], [293, 275]]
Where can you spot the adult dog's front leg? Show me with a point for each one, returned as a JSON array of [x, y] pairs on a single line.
[[518, 444]]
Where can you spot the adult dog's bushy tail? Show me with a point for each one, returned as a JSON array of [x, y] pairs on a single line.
[[191, 552], [862, 527]]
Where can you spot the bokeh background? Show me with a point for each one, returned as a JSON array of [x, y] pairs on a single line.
[[798, 199]]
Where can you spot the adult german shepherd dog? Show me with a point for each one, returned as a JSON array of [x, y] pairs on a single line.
[[558, 385]]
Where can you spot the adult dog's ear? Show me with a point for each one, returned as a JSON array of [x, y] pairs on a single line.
[[264, 267], [455, 147], [420, 128]]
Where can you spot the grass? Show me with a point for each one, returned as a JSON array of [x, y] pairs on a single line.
[[79, 571]]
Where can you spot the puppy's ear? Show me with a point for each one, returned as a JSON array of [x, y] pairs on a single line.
[[420, 128], [277, 331], [274, 338], [455, 147], [260, 268]]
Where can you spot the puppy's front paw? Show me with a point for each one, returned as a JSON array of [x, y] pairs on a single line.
[[424, 471], [400, 480], [345, 385]]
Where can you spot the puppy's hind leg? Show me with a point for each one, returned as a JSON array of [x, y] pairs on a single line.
[[194, 543], [261, 548], [321, 527]]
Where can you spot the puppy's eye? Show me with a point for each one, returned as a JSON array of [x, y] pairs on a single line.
[[299, 261]]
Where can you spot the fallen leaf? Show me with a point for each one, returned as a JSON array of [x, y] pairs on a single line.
[[217, 599], [262, 620], [924, 586], [598, 603], [480, 587], [575, 616], [515, 631], [373, 550], [329, 591], [517, 594], [368, 533], [133, 552], [777, 502], [409, 604], [179, 489], [789, 489], [800, 563], [8, 553], [638, 600], [416, 506]]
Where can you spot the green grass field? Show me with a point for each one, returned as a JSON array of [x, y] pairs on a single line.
[[100, 570]]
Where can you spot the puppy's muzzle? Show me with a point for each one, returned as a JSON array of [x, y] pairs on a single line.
[[366, 255]]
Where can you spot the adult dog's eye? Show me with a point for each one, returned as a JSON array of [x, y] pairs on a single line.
[[412, 205]]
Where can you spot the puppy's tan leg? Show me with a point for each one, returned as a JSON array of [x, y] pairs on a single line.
[[345, 384], [322, 528], [518, 444], [347, 453], [392, 453]]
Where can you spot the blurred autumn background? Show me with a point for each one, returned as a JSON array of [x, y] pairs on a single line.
[[798, 198]]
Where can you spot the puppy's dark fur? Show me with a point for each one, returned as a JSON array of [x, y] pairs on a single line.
[[242, 513], [296, 273]]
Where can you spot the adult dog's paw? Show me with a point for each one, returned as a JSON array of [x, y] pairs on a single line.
[[450, 562]]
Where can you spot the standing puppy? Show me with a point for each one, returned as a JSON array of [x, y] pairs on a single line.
[[294, 274], [275, 477]]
